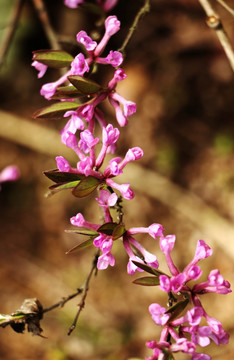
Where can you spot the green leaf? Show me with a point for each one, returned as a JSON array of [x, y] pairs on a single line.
[[64, 186], [176, 309], [62, 176], [66, 92], [56, 110], [85, 86], [53, 58], [80, 246], [148, 268], [83, 231], [86, 186], [147, 281], [107, 228], [118, 232]]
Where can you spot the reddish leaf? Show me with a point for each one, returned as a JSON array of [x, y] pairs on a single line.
[[86, 186]]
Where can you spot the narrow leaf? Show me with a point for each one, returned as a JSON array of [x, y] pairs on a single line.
[[84, 85], [176, 309], [53, 58], [118, 231], [83, 231], [56, 110], [148, 268], [80, 246], [107, 228], [86, 186], [66, 92], [62, 176], [64, 186], [147, 281]]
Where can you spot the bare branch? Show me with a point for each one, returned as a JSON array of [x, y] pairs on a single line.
[[143, 10], [44, 18], [85, 289], [226, 6], [62, 302], [214, 22]]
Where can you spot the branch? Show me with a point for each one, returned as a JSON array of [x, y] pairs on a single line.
[[62, 302], [226, 6], [10, 31], [85, 289], [143, 10], [44, 18], [214, 22]]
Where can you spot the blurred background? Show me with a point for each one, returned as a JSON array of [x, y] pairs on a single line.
[[182, 83]]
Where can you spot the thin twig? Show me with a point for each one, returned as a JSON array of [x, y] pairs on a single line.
[[44, 18], [226, 6], [214, 22], [62, 302], [143, 10], [85, 289], [10, 31]]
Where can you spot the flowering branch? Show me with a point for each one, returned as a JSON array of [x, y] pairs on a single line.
[[79, 104]]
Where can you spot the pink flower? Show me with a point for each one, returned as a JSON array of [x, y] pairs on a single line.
[[87, 141], [125, 190], [113, 167], [106, 199], [79, 65], [177, 282], [202, 251], [106, 5], [165, 283], [155, 230], [10, 173], [85, 166], [112, 25], [71, 141], [62, 164], [194, 315], [167, 243], [84, 39], [80, 221], [158, 314], [110, 135], [39, 67], [105, 260], [73, 3], [48, 90], [114, 58]]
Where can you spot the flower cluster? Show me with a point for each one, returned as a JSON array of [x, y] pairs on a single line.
[[180, 332], [185, 333]]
